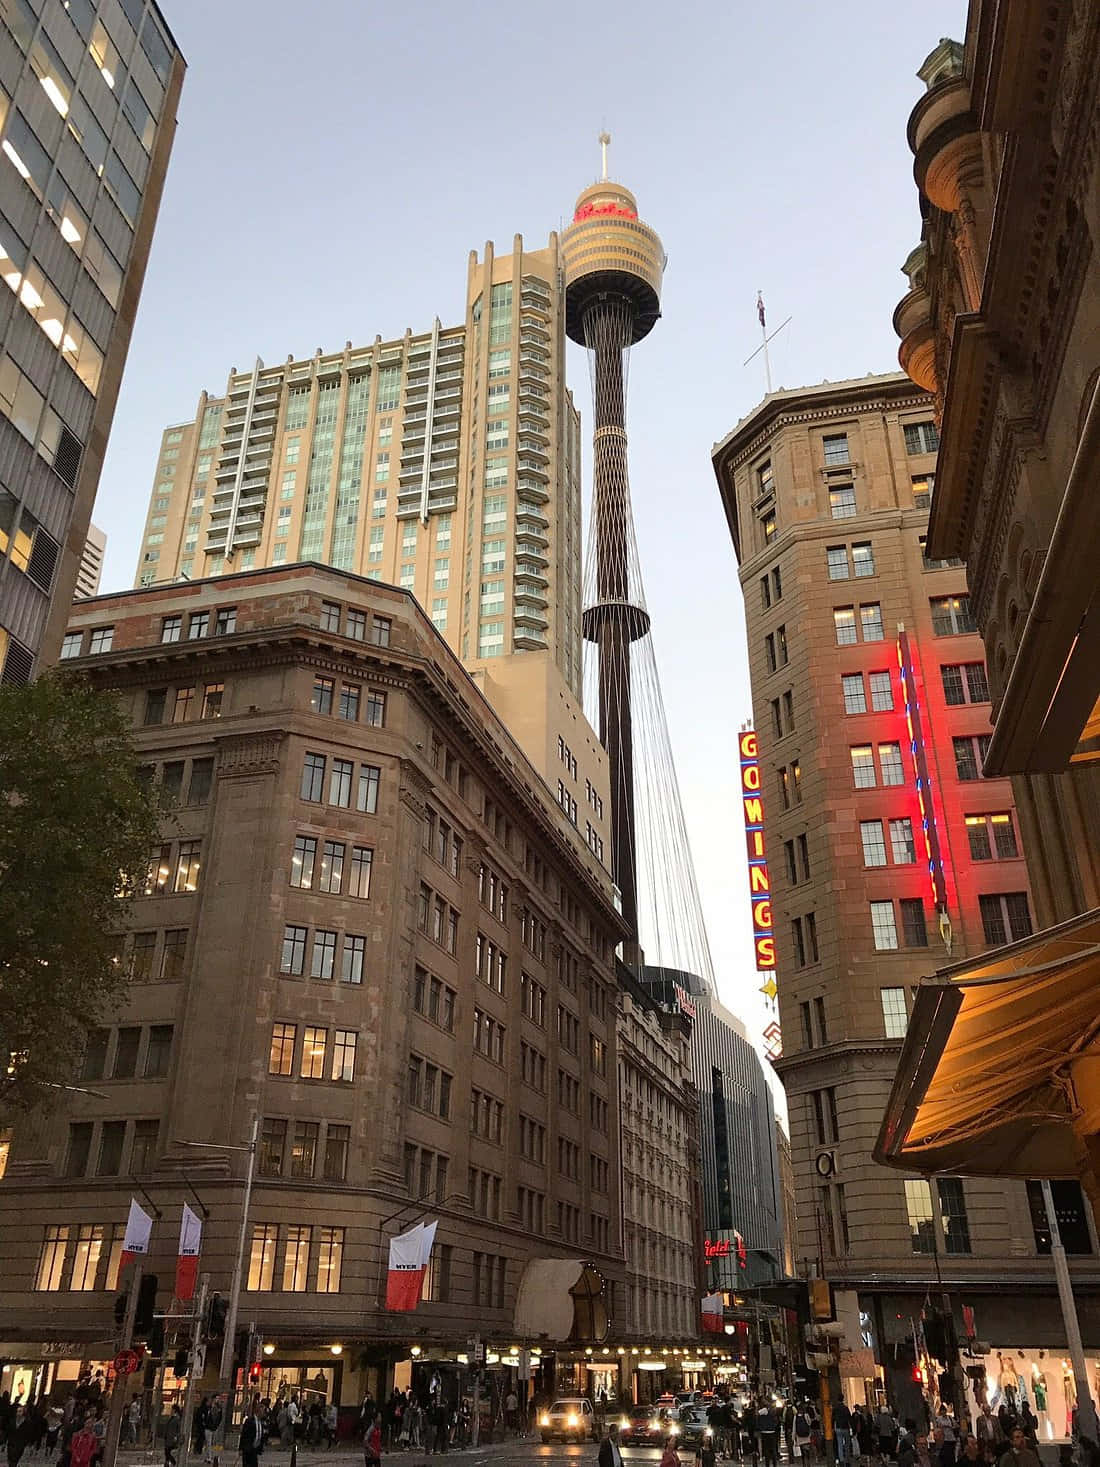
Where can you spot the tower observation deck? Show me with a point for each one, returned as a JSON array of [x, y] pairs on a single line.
[[613, 266]]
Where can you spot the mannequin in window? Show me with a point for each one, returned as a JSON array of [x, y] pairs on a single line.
[[1039, 1390], [1008, 1381], [1070, 1387]]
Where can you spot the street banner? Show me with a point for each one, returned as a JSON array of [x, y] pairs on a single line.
[[187, 1264], [713, 1314], [138, 1227], [410, 1254]]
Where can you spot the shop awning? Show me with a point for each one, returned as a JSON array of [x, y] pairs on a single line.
[[982, 1086], [544, 1303]]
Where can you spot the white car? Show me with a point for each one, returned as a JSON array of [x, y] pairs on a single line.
[[571, 1420]]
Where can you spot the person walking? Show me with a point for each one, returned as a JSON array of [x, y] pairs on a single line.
[[82, 1447], [842, 1426], [251, 1442], [886, 1429], [610, 1454], [173, 1428], [1019, 1454], [788, 1429], [372, 1443], [803, 1433], [767, 1424], [670, 1457], [215, 1414]]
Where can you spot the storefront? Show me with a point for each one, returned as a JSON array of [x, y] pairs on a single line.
[[50, 1371]]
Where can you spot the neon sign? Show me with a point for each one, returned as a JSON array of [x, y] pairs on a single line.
[[594, 211], [932, 851], [714, 1248], [760, 888]]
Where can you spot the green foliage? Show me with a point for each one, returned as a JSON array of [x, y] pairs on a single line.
[[76, 827]]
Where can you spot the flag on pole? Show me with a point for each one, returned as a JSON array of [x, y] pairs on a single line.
[[187, 1264], [409, 1256], [713, 1314], [760, 310], [138, 1227]]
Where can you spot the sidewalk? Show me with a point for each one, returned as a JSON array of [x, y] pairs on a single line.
[[345, 1454]]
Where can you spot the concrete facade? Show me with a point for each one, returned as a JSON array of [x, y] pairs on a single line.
[[91, 563], [88, 97], [826, 490], [369, 925]]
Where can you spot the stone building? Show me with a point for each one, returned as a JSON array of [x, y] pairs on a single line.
[[367, 927], [88, 96], [890, 854]]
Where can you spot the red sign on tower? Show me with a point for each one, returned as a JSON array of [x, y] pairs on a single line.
[[760, 887]]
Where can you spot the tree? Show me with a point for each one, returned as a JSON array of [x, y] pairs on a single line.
[[77, 823]]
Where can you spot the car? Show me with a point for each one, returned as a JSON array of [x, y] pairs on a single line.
[[694, 1428], [569, 1420], [641, 1426]]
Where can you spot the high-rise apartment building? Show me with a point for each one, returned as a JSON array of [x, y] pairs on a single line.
[[445, 462], [367, 926], [88, 94], [890, 854], [91, 563]]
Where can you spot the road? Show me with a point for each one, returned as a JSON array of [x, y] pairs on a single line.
[[513, 1453]]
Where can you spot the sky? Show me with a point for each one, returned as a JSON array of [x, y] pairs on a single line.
[[335, 164]]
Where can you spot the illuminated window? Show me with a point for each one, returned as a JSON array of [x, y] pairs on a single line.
[[331, 875], [923, 485], [1006, 917], [884, 927], [855, 699], [296, 1259], [903, 850], [765, 480], [882, 692], [51, 1257], [894, 1017], [863, 766], [303, 862], [281, 1060], [844, 625], [874, 843], [261, 1261], [951, 615], [768, 526], [918, 1204], [314, 1047], [272, 1147], [187, 866], [836, 559], [303, 1148], [889, 758], [330, 1257], [870, 618]]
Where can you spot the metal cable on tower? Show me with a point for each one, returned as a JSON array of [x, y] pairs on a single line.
[[613, 267]]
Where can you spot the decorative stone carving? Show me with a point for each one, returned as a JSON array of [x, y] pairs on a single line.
[[248, 754]]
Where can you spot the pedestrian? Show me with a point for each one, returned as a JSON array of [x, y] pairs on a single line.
[[767, 1424], [83, 1445], [215, 1415], [1019, 1454], [133, 1421], [610, 1454], [802, 1433], [788, 1429], [439, 1425], [511, 1412], [842, 1426], [372, 1443], [198, 1425], [886, 1430], [332, 1421], [251, 1442], [172, 1430], [748, 1431], [971, 1452], [705, 1455], [670, 1457]]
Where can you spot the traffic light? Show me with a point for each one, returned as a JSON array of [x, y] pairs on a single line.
[[180, 1359], [155, 1344], [215, 1317], [120, 1308], [146, 1303], [243, 1350], [255, 1371]]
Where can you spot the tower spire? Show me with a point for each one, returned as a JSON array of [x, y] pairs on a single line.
[[605, 138]]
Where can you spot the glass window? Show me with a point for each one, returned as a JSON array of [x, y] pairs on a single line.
[[1069, 1209], [112, 1138], [836, 448], [314, 1049], [187, 866], [836, 557], [343, 1054], [953, 691], [359, 876], [951, 615], [351, 963], [323, 689], [367, 796], [281, 1061], [918, 1203], [349, 702], [913, 925], [902, 846], [921, 437], [79, 1149], [842, 502], [294, 950], [977, 833], [296, 1259], [158, 1051], [883, 926], [101, 639], [1006, 917], [889, 758], [72, 646], [330, 1257], [126, 1053], [303, 862], [51, 1257], [357, 624], [261, 1260], [330, 616], [870, 617], [313, 778], [1004, 836], [863, 560], [844, 624], [330, 878], [956, 1228], [143, 1151], [894, 1017], [212, 695], [337, 1143], [324, 954], [863, 766], [174, 955], [874, 844], [882, 692], [376, 709]]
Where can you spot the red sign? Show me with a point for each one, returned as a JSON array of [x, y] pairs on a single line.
[[760, 887], [126, 1362], [593, 211], [716, 1248]]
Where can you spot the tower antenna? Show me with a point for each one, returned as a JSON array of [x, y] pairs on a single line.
[[605, 138]]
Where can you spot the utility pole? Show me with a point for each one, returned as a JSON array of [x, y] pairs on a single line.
[[118, 1390], [225, 1374], [1086, 1411], [195, 1357]]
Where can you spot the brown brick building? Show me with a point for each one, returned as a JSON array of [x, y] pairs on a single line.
[[369, 925], [826, 490]]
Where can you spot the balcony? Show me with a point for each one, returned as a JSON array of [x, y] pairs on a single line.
[[532, 445], [533, 490], [531, 466], [414, 471], [530, 559], [530, 595]]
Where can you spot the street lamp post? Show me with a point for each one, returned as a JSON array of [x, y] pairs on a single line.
[[1086, 1414]]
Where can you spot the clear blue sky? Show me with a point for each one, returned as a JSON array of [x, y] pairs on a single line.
[[335, 163]]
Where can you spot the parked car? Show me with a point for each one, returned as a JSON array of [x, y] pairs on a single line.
[[569, 1420], [641, 1426]]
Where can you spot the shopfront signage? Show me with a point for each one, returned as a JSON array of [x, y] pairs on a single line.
[[724, 1247], [918, 749], [760, 889]]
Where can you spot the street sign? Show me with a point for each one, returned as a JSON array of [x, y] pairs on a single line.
[[126, 1362]]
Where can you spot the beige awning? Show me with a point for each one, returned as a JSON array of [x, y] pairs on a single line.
[[983, 1082], [544, 1302]]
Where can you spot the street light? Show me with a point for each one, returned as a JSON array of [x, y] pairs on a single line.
[[226, 1370]]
